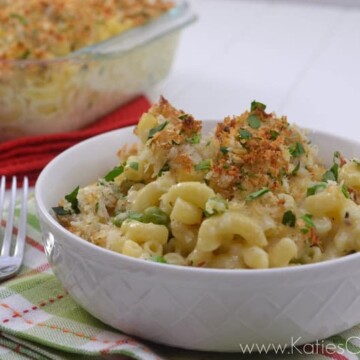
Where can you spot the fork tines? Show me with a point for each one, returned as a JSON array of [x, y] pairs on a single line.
[[21, 225]]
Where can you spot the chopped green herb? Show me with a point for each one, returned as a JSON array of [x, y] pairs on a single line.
[[203, 165], [215, 205], [345, 191], [114, 173], [336, 158], [257, 194], [224, 149], [296, 149], [308, 220], [19, 17], [333, 173], [254, 121], [329, 175], [226, 166], [257, 105], [151, 215], [183, 116], [289, 218], [26, 54], [304, 230], [273, 135], [282, 172], [156, 129], [60, 211], [245, 134], [96, 207], [240, 187], [158, 259], [195, 139], [312, 190], [296, 169], [165, 168], [156, 216], [134, 165], [72, 199]]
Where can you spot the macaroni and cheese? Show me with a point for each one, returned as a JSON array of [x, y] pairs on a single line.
[[52, 81], [46, 29], [252, 194]]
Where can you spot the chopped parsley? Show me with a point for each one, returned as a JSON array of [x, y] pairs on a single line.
[[312, 190], [203, 165], [156, 129], [309, 224], [273, 135], [158, 259], [72, 199], [165, 168], [195, 139], [257, 105], [214, 206], [254, 121], [183, 116], [134, 165], [257, 194], [26, 54], [115, 172], [296, 149], [151, 215], [335, 168], [329, 175], [60, 211], [296, 169], [224, 149], [345, 191], [245, 134], [333, 173], [308, 220], [289, 219], [19, 17]]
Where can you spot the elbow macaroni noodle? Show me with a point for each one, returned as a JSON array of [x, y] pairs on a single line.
[[256, 195]]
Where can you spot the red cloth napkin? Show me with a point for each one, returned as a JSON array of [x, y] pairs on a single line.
[[27, 156]]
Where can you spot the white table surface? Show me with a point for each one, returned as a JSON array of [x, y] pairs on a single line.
[[301, 58]]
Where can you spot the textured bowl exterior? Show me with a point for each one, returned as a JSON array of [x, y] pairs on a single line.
[[202, 309]]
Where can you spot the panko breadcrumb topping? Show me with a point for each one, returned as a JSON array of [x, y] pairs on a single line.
[[246, 153], [46, 29]]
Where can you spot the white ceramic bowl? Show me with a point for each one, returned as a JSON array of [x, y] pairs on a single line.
[[193, 308]]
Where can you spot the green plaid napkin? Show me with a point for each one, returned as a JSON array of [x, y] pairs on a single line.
[[39, 320]]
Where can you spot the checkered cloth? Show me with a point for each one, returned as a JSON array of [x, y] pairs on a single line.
[[39, 320]]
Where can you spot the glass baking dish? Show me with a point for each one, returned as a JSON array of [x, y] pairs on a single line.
[[64, 94]]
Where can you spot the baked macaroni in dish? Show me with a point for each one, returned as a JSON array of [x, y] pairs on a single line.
[[252, 194], [45, 29], [53, 80]]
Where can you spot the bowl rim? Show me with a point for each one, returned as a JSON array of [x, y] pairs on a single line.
[[141, 263]]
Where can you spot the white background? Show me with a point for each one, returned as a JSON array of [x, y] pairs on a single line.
[[301, 58]]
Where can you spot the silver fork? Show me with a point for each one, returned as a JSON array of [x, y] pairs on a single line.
[[10, 262]]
